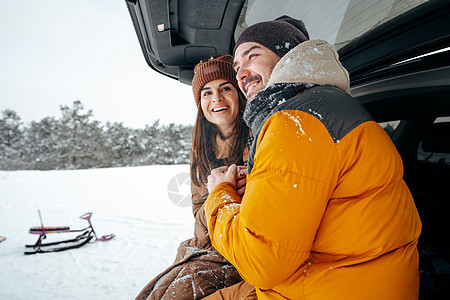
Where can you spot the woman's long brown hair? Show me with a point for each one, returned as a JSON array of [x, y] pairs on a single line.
[[203, 157]]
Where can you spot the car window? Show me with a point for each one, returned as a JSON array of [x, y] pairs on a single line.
[[390, 126], [337, 22], [435, 151]]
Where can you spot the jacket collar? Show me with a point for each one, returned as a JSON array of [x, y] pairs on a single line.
[[259, 109], [313, 62]]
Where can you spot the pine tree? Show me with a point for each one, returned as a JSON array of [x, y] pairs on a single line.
[[43, 140], [11, 136], [80, 138]]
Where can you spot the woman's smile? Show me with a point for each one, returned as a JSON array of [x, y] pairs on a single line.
[[220, 103]]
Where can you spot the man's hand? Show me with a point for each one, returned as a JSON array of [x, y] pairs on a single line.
[[220, 175]]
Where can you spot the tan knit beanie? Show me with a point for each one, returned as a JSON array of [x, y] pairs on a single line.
[[210, 69]]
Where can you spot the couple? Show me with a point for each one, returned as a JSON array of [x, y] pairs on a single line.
[[325, 213]]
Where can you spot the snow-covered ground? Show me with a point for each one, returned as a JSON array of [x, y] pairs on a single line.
[[133, 203]]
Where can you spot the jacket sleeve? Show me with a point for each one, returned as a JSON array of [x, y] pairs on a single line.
[[201, 236], [268, 235], [198, 198]]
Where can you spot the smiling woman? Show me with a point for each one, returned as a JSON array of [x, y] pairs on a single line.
[[220, 133], [220, 138], [220, 105]]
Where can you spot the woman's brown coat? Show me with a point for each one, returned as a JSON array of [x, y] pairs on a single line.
[[198, 270]]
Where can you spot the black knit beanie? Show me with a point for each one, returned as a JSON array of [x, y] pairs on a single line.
[[279, 36]]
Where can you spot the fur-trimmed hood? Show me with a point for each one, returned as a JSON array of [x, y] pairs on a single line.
[[314, 62]]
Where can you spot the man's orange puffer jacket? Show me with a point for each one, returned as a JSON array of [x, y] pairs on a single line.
[[326, 213]]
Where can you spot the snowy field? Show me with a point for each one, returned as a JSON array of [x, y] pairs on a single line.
[[133, 203]]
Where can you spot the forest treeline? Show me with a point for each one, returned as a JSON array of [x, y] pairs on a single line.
[[77, 141]]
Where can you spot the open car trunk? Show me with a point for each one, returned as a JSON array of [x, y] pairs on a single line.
[[397, 54]]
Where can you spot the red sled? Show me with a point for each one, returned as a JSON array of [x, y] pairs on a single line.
[[85, 236]]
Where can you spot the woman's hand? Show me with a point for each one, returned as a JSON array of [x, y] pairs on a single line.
[[241, 180], [220, 175], [237, 176]]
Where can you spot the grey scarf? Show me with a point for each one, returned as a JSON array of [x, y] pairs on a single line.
[[258, 109]]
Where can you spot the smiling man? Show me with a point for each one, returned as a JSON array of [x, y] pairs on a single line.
[[254, 77], [326, 213]]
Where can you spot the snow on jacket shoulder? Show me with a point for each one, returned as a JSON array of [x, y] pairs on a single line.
[[326, 213]]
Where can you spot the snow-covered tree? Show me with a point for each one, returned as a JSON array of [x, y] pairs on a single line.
[[76, 141], [81, 139], [43, 144], [10, 131], [11, 138]]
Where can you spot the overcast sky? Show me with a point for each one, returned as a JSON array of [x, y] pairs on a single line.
[[53, 52]]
